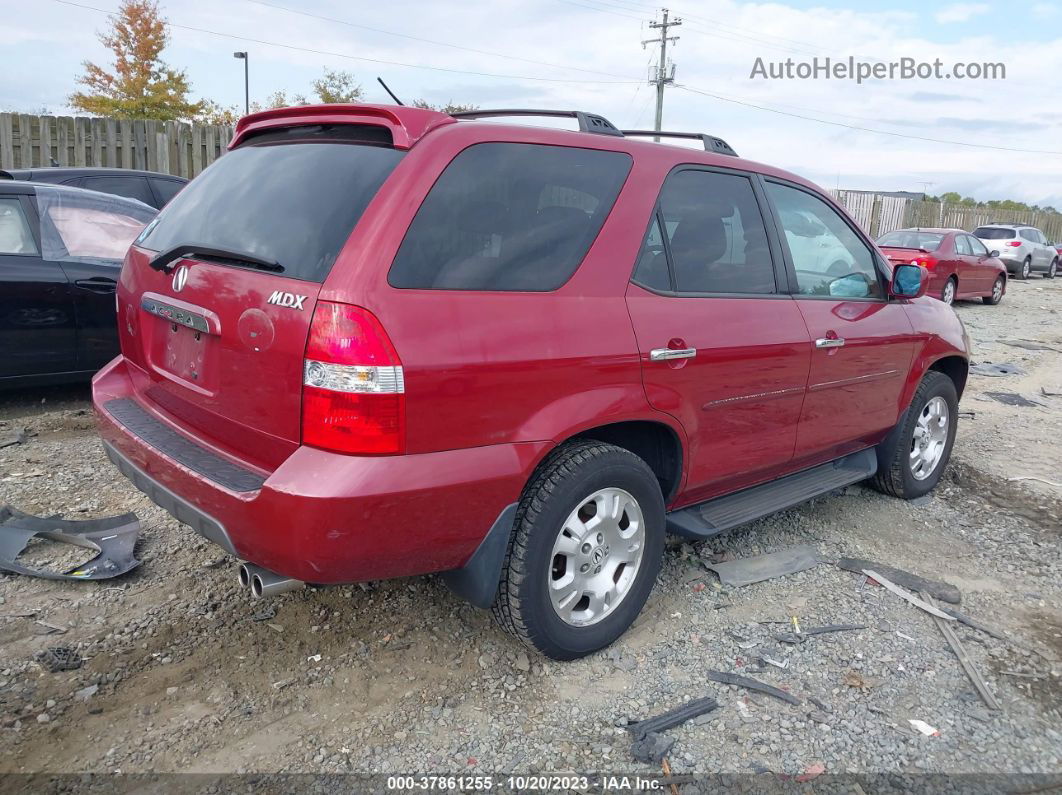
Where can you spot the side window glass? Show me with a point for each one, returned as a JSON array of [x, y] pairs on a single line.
[[15, 234], [130, 187], [977, 246], [166, 189], [715, 234], [962, 246], [1027, 234], [828, 256], [651, 270]]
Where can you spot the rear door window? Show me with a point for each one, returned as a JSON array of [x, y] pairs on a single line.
[[80, 226], [509, 216], [291, 197], [715, 236], [130, 187], [962, 246]]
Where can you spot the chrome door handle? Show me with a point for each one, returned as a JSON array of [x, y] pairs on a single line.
[[827, 342], [667, 354]]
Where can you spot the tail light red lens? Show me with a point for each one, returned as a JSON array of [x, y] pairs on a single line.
[[924, 262], [353, 394], [1014, 243]]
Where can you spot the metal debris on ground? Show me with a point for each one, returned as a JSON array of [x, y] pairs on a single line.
[[672, 718], [59, 658], [1013, 399], [924, 728], [792, 637], [113, 538], [941, 590], [962, 618], [752, 684], [996, 370], [747, 571], [776, 663], [20, 436], [964, 659], [896, 589]]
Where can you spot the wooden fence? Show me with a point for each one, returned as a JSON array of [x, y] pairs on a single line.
[[879, 213], [171, 147]]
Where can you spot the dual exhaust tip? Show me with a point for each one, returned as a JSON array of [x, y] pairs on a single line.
[[264, 582]]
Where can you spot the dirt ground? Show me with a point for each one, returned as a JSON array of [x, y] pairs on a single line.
[[182, 671]]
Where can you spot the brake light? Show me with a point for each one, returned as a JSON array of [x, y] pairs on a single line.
[[1014, 243], [353, 393], [924, 262]]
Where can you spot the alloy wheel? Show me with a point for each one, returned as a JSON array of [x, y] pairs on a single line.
[[948, 297], [930, 438], [596, 556]]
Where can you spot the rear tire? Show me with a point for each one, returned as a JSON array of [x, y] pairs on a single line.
[[902, 470], [1026, 268], [1051, 269], [997, 292], [949, 291], [552, 532]]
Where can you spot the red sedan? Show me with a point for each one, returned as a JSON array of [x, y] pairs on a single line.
[[958, 263]]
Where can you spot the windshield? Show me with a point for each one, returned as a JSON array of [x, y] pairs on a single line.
[[992, 233], [291, 201], [905, 238]]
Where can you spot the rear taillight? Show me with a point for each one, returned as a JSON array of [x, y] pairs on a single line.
[[353, 394], [1014, 243], [924, 262]]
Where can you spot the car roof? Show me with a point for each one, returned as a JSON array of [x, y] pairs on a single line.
[[412, 127], [1004, 226], [936, 230], [46, 172]]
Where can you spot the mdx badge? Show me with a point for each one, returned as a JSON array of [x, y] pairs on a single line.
[[290, 300], [180, 278]]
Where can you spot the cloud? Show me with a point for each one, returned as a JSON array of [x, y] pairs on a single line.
[[933, 96], [1044, 10], [960, 12]]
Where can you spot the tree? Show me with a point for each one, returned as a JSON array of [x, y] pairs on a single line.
[[141, 85], [449, 107], [951, 197], [336, 86]]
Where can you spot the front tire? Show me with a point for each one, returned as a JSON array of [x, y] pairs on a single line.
[[586, 548], [997, 292], [914, 456]]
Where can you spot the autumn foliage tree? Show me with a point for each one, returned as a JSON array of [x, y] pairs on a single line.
[[140, 85]]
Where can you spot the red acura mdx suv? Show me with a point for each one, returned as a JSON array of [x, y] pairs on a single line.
[[378, 341]]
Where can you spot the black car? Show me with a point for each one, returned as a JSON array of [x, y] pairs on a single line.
[[61, 250], [145, 186]]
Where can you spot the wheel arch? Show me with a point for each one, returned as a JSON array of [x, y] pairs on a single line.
[[656, 443], [956, 368]]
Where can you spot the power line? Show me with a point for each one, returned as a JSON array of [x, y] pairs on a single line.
[[430, 41], [355, 57], [867, 129]]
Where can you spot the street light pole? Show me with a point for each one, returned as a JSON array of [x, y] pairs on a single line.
[[246, 80]]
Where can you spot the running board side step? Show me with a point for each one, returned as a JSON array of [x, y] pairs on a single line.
[[732, 510]]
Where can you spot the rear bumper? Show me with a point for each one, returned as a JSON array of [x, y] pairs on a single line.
[[323, 517]]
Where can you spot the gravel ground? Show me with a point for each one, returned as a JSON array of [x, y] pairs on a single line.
[[183, 672]]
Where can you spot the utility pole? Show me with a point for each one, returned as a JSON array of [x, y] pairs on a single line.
[[664, 72], [244, 56]]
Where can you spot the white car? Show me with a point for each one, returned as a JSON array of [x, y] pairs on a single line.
[[1023, 249]]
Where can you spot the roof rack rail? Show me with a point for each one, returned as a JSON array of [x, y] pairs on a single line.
[[588, 122], [711, 143]]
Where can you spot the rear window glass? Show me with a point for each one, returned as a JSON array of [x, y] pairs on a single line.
[[509, 217], [291, 198], [991, 233], [904, 238]]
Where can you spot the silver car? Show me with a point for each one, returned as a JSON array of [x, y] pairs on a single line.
[[1023, 249]]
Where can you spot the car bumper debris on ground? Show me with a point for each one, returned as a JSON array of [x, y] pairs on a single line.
[[178, 670]]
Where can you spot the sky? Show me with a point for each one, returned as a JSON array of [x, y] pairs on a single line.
[[588, 55]]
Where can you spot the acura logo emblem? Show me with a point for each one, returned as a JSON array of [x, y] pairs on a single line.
[[180, 279]]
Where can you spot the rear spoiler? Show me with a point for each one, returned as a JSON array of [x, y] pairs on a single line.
[[407, 125]]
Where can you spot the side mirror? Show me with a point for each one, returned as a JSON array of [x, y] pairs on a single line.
[[908, 281], [993, 253]]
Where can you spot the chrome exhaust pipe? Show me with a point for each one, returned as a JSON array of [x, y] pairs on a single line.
[[264, 582]]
